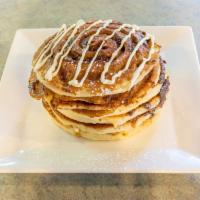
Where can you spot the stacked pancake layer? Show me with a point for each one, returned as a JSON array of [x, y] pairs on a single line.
[[100, 79]]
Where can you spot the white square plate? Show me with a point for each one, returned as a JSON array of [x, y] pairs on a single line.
[[31, 142]]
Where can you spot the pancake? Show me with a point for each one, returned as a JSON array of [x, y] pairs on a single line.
[[99, 137], [67, 68], [122, 108], [100, 129], [148, 77], [100, 90], [100, 80], [97, 128], [115, 120]]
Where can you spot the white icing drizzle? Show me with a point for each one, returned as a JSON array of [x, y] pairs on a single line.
[[57, 61], [58, 34], [144, 61], [52, 72], [99, 49], [48, 75], [74, 81], [119, 73], [41, 60], [115, 53]]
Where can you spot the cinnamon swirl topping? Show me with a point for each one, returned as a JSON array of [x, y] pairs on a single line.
[[87, 44], [99, 79]]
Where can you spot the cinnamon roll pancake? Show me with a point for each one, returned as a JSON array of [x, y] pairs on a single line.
[[101, 80]]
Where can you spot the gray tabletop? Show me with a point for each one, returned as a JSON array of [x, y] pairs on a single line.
[[16, 14]]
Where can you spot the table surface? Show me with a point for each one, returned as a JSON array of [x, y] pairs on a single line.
[[15, 14]]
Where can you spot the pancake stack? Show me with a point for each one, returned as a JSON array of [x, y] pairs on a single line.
[[101, 80]]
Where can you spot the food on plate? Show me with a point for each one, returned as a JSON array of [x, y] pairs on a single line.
[[101, 80]]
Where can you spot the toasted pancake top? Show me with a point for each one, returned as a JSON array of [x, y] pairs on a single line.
[[95, 58]]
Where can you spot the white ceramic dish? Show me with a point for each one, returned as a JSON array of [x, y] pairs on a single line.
[[31, 142]]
